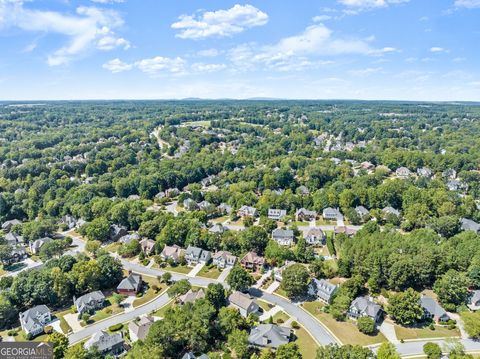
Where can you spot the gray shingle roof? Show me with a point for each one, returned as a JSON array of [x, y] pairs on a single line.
[[269, 335], [132, 282]]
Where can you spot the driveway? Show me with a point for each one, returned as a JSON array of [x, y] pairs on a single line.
[[27, 264], [223, 276], [196, 270], [73, 322]]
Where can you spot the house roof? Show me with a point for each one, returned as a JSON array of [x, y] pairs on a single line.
[[305, 212], [89, 297], [225, 255], [366, 306], [324, 286], [391, 210], [270, 335], [29, 317], [191, 296], [141, 328], [171, 251], [240, 300], [469, 225], [361, 210], [253, 257], [104, 341], [282, 233], [193, 251], [431, 306], [132, 282], [217, 228], [475, 297], [313, 231]]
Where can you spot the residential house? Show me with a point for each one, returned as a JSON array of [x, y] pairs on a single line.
[[302, 190], [138, 330], [147, 246], [332, 214], [128, 238], [195, 255], [322, 289], [314, 236], [218, 228], [225, 208], [206, 206], [171, 253], [368, 166], [35, 246], [8, 225], [106, 343], [390, 210], [252, 261], [224, 259], [424, 172], [403, 172], [190, 355], [276, 214], [35, 319], [278, 271], [284, 237], [17, 254], [247, 211], [191, 296], [189, 204], [160, 195], [433, 310], [344, 230], [89, 302], [456, 185], [362, 212], [364, 307], [13, 239], [303, 214], [469, 225], [269, 335], [172, 192], [130, 285], [244, 303], [474, 300], [449, 173], [117, 232], [69, 221]]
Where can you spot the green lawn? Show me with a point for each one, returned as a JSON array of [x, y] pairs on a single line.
[[267, 283], [282, 316], [63, 323], [424, 333], [161, 312], [197, 123], [308, 346], [150, 293], [21, 337], [108, 311], [113, 247], [281, 292], [347, 331], [178, 269], [264, 305], [212, 273]]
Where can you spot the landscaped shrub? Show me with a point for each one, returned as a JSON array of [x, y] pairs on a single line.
[[295, 325], [366, 325], [48, 329], [115, 327], [280, 321]]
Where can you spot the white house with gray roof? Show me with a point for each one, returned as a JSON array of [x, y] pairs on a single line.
[[474, 300], [244, 303], [224, 259], [276, 214], [106, 343], [269, 336], [331, 214], [364, 307], [89, 302], [322, 289], [138, 330], [35, 246], [433, 310], [469, 225], [314, 236], [195, 255], [284, 237], [35, 319]]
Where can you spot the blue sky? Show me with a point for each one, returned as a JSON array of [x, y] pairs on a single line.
[[153, 49]]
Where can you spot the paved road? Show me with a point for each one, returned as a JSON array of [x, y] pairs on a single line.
[[416, 347], [88, 331]]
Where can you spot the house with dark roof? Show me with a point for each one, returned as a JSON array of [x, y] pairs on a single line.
[[224, 259], [7, 225], [252, 261], [433, 310], [269, 336], [303, 214], [284, 237], [138, 329], [17, 254], [106, 343], [364, 307], [130, 285], [217, 228], [276, 214], [116, 232], [322, 289], [314, 236], [244, 303], [13, 239], [225, 208], [348, 231], [89, 302], [195, 255], [35, 246], [35, 319]]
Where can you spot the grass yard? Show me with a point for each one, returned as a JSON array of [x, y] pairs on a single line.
[[282, 316], [108, 311], [264, 305], [197, 123], [267, 283], [322, 251], [424, 333], [20, 337], [63, 323], [161, 312], [113, 247], [178, 269], [150, 293], [220, 219], [346, 331], [308, 346], [281, 292], [212, 273], [2, 271]]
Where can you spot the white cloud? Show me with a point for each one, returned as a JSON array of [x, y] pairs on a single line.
[[116, 66], [90, 27], [158, 65], [108, 1], [320, 18], [365, 72], [220, 23], [436, 49], [208, 53], [470, 4], [201, 67], [366, 4]]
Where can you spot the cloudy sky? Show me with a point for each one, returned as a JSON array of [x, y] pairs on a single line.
[[323, 49]]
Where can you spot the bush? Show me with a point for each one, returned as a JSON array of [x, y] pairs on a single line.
[[12, 333], [48, 329], [115, 327], [29, 336], [280, 321], [295, 325], [366, 325], [432, 350], [432, 326], [108, 310]]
